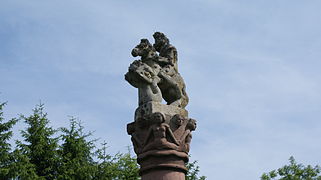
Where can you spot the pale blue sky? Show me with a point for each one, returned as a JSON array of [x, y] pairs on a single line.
[[252, 70]]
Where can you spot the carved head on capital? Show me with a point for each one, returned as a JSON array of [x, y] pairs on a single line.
[[157, 118], [191, 125], [177, 120]]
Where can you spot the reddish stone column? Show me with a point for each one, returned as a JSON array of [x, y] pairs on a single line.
[[161, 135], [164, 175], [163, 164]]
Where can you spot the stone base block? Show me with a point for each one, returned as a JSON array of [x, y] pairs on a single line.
[[152, 107]]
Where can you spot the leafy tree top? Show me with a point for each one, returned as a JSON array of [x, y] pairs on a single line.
[[5, 147], [40, 146], [294, 171]]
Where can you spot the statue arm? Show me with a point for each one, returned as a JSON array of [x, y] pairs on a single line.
[[171, 134], [186, 133]]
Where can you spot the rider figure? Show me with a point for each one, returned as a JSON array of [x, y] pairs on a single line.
[[167, 52]]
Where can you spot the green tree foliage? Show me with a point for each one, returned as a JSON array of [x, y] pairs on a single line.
[[105, 165], [76, 154], [126, 167], [294, 171], [6, 157], [22, 168], [193, 171], [41, 157], [40, 148], [119, 166]]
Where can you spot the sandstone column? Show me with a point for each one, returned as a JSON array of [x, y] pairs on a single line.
[[160, 133]]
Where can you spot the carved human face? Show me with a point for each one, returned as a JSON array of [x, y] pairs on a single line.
[[178, 120], [191, 124], [158, 118]]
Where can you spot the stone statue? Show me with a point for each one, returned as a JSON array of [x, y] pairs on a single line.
[[167, 52], [145, 78], [156, 75], [161, 133]]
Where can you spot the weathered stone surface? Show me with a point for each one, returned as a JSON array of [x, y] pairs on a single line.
[[164, 175], [161, 133], [160, 143], [153, 107], [156, 75]]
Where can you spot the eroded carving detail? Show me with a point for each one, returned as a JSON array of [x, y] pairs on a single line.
[[156, 75], [161, 134], [152, 136]]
